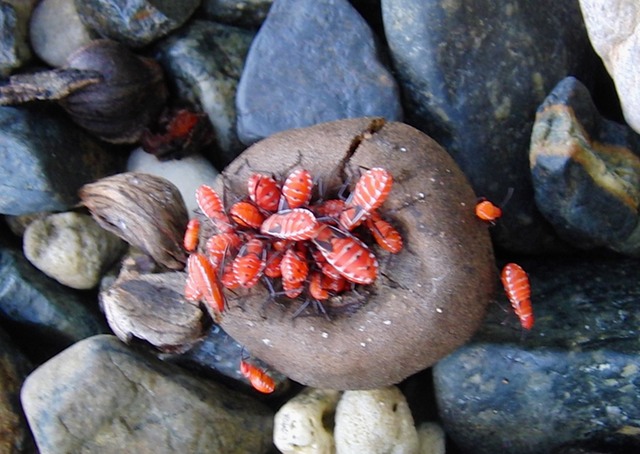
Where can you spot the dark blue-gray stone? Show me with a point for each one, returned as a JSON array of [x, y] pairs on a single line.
[[312, 61], [473, 74], [574, 378], [203, 63], [45, 160], [14, 50], [241, 13], [43, 313], [586, 171]]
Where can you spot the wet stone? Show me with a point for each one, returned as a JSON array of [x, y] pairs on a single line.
[[574, 378], [135, 23], [101, 396], [241, 13], [45, 160], [428, 299], [14, 46], [586, 171], [51, 316], [312, 61], [204, 62], [473, 74]]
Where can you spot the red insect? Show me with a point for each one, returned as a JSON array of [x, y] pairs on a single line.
[[249, 263], [221, 244], [370, 192], [202, 282], [387, 237], [350, 256], [258, 378], [332, 208], [294, 267], [264, 191], [292, 289], [273, 269], [191, 235], [297, 225], [228, 279], [518, 289], [246, 214], [211, 205], [487, 211], [297, 188]]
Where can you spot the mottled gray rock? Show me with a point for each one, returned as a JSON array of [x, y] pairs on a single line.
[[51, 315], [312, 61], [100, 396], [14, 367], [375, 421], [428, 299], [586, 171], [45, 159], [71, 248], [14, 45], [615, 36], [204, 62], [473, 74], [135, 23], [56, 31], [575, 377], [242, 13]]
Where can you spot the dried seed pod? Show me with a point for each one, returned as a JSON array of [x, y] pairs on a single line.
[[131, 95], [145, 210]]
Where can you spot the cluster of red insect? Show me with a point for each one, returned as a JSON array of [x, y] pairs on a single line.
[[276, 234]]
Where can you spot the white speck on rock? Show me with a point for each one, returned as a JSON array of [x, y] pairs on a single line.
[[325, 334]]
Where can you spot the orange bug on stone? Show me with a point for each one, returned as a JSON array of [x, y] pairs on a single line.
[[488, 211], [202, 283], [387, 237], [297, 188], [219, 245], [211, 205], [297, 225], [370, 192], [259, 379], [518, 289], [264, 191], [191, 235], [249, 263], [246, 214]]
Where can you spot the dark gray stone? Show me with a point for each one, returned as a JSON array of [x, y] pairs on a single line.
[[135, 23], [575, 377], [586, 171], [14, 47], [101, 396], [45, 160], [473, 74], [242, 13], [50, 315], [312, 61], [204, 63]]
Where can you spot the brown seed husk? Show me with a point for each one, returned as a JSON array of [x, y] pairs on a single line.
[[428, 300], [144, 210]]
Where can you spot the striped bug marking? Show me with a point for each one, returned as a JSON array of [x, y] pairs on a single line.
[[246, 214], [298, 188], [221, 244], [211, 205], [202, 283], [259, 379], [518, 289], [264, 191], [294, 267], [348, 255], [191, 235], [249, 263], [387, 237], [297, 225], [370, 192]]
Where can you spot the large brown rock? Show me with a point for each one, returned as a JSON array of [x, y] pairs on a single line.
[[428, 299]]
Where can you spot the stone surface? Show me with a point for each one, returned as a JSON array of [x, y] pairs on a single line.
[[100, 396], [312, 61], [375, 421], [14, 43], [586, 171], [473, 74], [54, 315], [14, 367], [187, 174], [431, 438], [45, 159], [300, 425], [135, 23], [428, 300], [71, 248], [242, 13], [615, 36], [204, 62], [55, 31], [572, 379]]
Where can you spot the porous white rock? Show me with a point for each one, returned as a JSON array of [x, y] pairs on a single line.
[[614, 31], [187, 173], [431, 438], [375, 421], [300, 424], [71, 248]]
